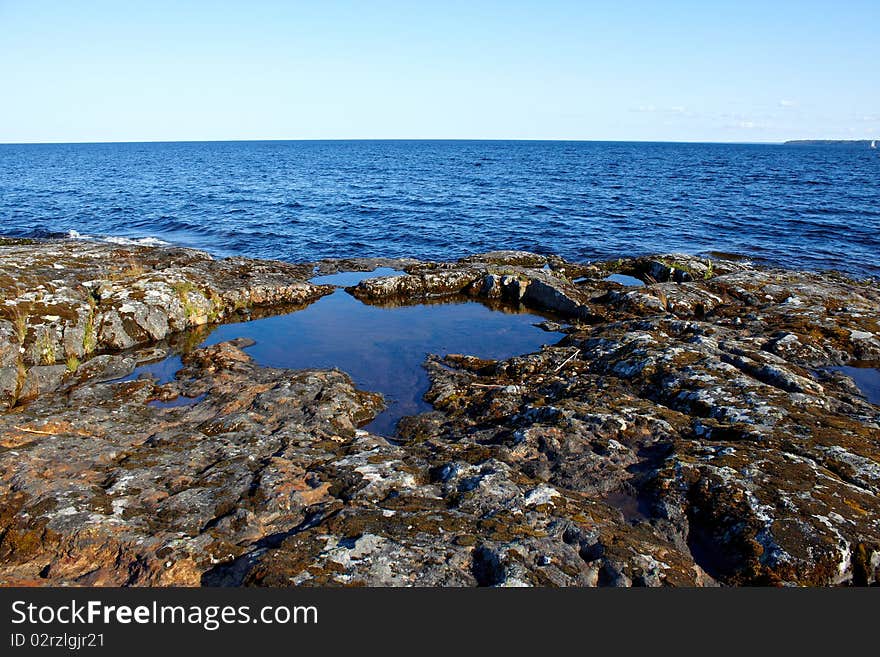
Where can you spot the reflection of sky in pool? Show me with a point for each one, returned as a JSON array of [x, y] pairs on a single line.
[[623, 279], [866, 378], [382, 348], [163, 370]]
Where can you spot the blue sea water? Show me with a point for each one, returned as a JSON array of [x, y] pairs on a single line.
[[808, 207]]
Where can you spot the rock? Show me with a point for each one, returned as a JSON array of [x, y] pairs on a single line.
[[415, 286], [40, 380], [108, 297], [682, 300], [107, 474], [552, 327], [333, 266], [9, 385], [556, 297], [9, 345], [105, 367], [514, 258], [736, 405], [685, 433], [535, 288]]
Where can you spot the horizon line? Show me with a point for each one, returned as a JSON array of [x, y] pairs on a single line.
[[431, 139], [436, 139]]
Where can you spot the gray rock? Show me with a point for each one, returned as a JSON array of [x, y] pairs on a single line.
[[74, 298], [555, 296], [105, 367], [41, 379], [9, 347], [8, 387]]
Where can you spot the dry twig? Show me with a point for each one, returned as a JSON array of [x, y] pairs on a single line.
[[565, 362]]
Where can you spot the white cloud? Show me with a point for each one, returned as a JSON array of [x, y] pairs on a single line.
[[746, 125], [787, 103], [653, 109]]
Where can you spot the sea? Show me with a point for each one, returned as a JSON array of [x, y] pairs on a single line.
[[804, 207]]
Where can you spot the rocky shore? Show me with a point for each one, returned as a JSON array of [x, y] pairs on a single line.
[[691, 431]]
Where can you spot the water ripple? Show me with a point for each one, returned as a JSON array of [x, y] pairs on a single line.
[[807, 207]]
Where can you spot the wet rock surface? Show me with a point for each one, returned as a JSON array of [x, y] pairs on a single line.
[[687, 433]]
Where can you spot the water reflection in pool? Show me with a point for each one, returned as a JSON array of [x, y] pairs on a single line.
[[866, 377], [383, 348]]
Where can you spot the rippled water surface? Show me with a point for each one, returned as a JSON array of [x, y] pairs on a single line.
[[811, 207]]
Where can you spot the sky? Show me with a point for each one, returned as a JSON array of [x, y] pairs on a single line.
[[90, 70]]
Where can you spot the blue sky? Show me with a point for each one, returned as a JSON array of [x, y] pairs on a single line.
[[679, 71]]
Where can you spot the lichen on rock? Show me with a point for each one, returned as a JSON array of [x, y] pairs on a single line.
[[683, 433]]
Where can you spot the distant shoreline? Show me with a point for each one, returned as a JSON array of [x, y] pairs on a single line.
[[829, 142]]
